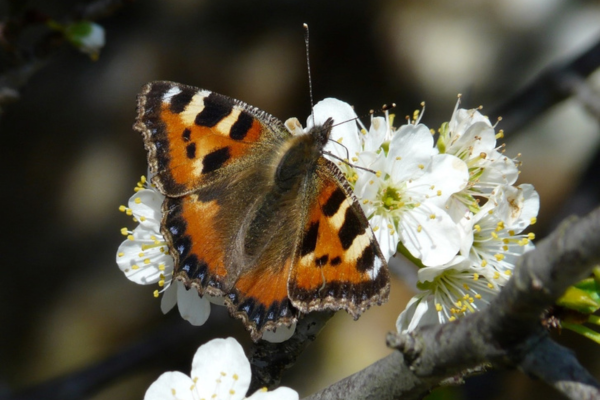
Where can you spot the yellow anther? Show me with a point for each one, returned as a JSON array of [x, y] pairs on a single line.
[[496, 275], [508, 272], [452, 318], [124, 231], [419, 228], [421, 166], [122, 208], [439, 192], [156, 293], [142, 218], [475, 276], [499, 257], [531, 235], [147, 261], [236, 377], [134, 267], [137, 189], [137, 200], [161, 283], [129, 212], [533, 220], [478, 296], [490, 285], [438, 307], [466, 288], [477, 228], [494, 235], [121, 254], [398, 158], [161, 267], [231, 391], [483, 263], [354, 159], [371, 182], [432, 216], [390, 226], [511, 232], [130, 237], [173, 392], [375, 228], [505, 248]]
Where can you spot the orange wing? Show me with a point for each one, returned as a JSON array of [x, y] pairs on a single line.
[[232, 239], [337, 263], [195, 137]]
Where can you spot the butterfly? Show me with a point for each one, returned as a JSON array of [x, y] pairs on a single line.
[[256, 214]]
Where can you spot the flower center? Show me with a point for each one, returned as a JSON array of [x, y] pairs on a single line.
[[391, 199]]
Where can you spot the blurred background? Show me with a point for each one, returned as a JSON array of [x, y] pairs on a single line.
[[69, 158]]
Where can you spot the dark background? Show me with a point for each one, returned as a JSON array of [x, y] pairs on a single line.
[[69, 158]]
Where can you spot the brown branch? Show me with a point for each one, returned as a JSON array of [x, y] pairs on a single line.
[[507, 334], [269, 360]]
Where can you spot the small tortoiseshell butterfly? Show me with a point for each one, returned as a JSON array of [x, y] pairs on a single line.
[[255, 214]]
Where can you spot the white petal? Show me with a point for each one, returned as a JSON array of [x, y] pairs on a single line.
[[192, 307], [376, 134], [406, 316], [281, 393], [444, 176], [531, 206], [282, 334], [169, 298], [388, 243], [410, 150], [222, 370], [134, 267], [348, 132], [146, 206], [498, 170], [437, 240], [170, 385]]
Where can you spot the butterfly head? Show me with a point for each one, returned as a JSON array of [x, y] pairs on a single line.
[[321, 132]]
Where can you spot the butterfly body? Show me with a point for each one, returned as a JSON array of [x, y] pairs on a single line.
[[255, 214]]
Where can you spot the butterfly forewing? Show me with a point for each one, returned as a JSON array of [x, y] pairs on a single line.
[[195, 137]]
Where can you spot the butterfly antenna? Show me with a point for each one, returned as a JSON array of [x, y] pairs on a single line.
[[310, 90], [345, 148], [349, 163]]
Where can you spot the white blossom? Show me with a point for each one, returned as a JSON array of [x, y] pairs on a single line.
[[220, 371]]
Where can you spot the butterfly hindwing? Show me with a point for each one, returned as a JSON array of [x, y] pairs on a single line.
[[337, 263], [194, 136]]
